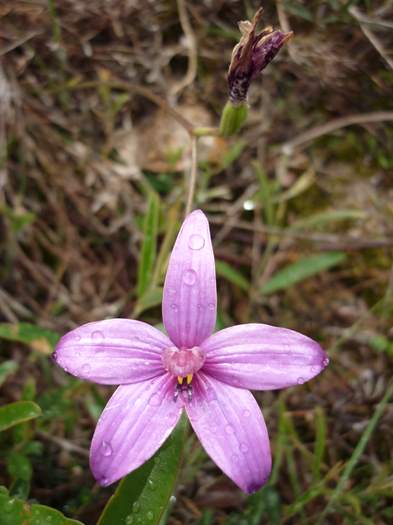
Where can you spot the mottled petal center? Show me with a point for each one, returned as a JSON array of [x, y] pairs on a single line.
[[182, 362]]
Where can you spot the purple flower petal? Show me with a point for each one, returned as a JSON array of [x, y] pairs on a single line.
[[262, 357], [135, 423], [231, 428], [113, 352], [190, 298]]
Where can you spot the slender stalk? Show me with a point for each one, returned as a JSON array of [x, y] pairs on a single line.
[[358, 451], [193, 175]]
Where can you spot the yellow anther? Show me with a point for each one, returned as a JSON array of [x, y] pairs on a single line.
[[189, 379], [180, 379]]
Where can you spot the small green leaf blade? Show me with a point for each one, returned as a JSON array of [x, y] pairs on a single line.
[[230, 274], [7, 368], [302, 269], [38, 338], [18, 412], [149, 246], [14, 511], [144, 494]]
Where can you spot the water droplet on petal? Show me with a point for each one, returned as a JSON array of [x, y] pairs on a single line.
[[300, 380], [149, 515], [196, 242], [246, 413], [174, 307], [211, 306], [244, 447], [106, 449], [155, 400], [189, 277], [86, 369], [97, 336], [210, 394], [325, 361], [104, 481], [235, 458], [229, 429], [172, 291], [77, 338]]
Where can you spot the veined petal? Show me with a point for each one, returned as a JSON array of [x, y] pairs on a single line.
[[262, 357], [231, 428], [135, 423], [190, 297], [112, 352]]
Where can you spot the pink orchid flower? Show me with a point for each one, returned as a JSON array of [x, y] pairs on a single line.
[[208, 375]]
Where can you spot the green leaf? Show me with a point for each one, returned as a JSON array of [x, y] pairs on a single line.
[[6, 369], [18, 412], [39, 339], [301, 270], [14, 511], [19, 466], [230, 274], [143, 495], [326, 217], [150, 299], [148, 252]]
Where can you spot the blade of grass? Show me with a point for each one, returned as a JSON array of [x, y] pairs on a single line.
[[320, 442], [230, 274], [359, 449], [300, 270], [149, 245]]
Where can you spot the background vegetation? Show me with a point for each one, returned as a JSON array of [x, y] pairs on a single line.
[[93, 178]]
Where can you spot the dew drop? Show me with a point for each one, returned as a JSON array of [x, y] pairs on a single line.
[[325, 362], [155, 400], [151, 484], [189, 277], [211, 395], [211, 306], [136, 506], [246, 413], [172, 291], [244, 447], [106, 449], [196, 242], [97, 336], [171, 418], [172, 500], [149, 515], [129, 520], [229, 429], [104, 481], [77, 338], [235, 458], [174, 307], [86, 369], [300, 380]]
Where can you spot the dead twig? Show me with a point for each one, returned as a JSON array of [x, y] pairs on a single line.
[[374, 40], [334, 125], [191, 48]]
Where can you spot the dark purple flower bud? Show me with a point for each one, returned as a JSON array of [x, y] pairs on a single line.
[[251, 55]]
